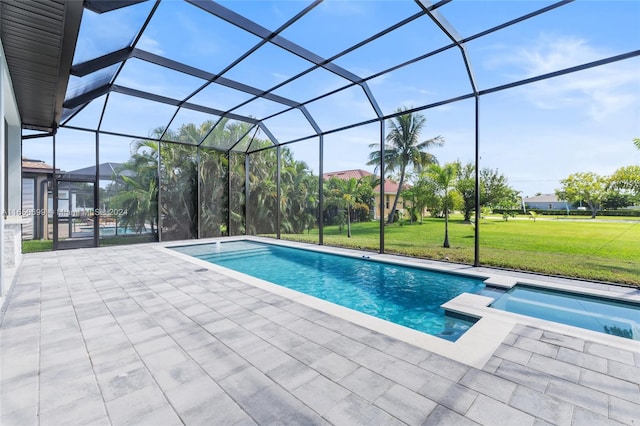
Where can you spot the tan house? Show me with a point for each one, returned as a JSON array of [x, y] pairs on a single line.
[[390, 191], [36, 200]]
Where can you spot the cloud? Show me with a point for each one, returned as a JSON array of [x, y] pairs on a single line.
[[600, 92], [343, 8], [150, 45], [280, 77]]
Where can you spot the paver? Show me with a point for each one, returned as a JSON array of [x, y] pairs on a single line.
[[408, 406], [134, 405], [536, 346], [580, 396], [448, 368], [611, 385], [353, 410], [487, 411], [586, 417], [292, 374], [582, 360], [554, 367], [513, 354], [550, 409], [366, 384], [609, 352], [443, 416], [334, 366], [320, 394], [448, 393], [169, 345], [407, 374], [523, 375], [87, 411], [488, 384]]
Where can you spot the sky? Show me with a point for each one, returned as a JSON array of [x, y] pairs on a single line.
[[535, 135]]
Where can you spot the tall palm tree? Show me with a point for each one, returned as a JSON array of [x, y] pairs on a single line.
[[298, 194], [404, 150], [214, 193], [444, 178], [349, 189], [138, 187]]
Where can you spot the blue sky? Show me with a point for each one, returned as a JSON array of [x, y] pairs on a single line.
[[535, 134]]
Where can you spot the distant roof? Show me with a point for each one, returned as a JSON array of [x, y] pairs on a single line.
[[347, 174], [107, 171], [543, 198], [36, 165], [390, 186]]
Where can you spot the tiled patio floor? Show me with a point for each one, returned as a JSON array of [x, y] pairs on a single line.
[[133, 335]]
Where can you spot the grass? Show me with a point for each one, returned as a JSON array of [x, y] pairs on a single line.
[[33, 246], [597, 250], [592, 250], [127, 239]]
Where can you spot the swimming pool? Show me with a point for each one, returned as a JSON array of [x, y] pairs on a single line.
[[616, 317], [403, 295]]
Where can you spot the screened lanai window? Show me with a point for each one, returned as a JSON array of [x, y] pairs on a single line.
[[524, 95]]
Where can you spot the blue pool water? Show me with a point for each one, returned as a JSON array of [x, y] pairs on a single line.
[[615, 317], [407, 296], [110, 230]]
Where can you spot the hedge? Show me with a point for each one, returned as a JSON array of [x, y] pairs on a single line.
[[542, 212]]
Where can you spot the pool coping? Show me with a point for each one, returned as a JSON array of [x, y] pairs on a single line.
[[476, 346]]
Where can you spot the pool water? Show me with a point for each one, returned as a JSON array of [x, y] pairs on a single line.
[[616, 317], [407, 296], [110, 230]]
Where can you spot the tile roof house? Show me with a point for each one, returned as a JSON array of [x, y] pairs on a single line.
[[390, 190]]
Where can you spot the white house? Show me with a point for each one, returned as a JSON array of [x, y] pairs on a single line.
[[545, 202]]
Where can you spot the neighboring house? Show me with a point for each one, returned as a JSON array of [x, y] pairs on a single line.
[[36, 177], [37, 198], [390, 191], [545, 202], [107, 171]]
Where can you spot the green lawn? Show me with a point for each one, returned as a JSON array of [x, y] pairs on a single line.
[[607, 250], [33, 246], [589, 249]]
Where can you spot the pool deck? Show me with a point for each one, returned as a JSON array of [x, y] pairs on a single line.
[[140, 335]]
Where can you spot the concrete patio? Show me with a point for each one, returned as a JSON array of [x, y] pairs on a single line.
[[134, 335]]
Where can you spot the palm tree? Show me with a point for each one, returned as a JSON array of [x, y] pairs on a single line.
[[444, 178], [403, 149], [236, 194], [298, 194], [349, 189], [138, 187], [214, 193]]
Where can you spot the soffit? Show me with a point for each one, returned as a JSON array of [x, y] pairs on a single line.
[[39, 38]]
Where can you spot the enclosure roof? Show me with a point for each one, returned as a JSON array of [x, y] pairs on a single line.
[[245, 75]]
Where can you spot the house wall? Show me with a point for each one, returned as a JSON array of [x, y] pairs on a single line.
[[10, 182], [388, 203], [14, 168], [558, 205], [28, 204]]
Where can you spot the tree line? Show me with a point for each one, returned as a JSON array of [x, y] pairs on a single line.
[[620, 189], [191, 191]]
